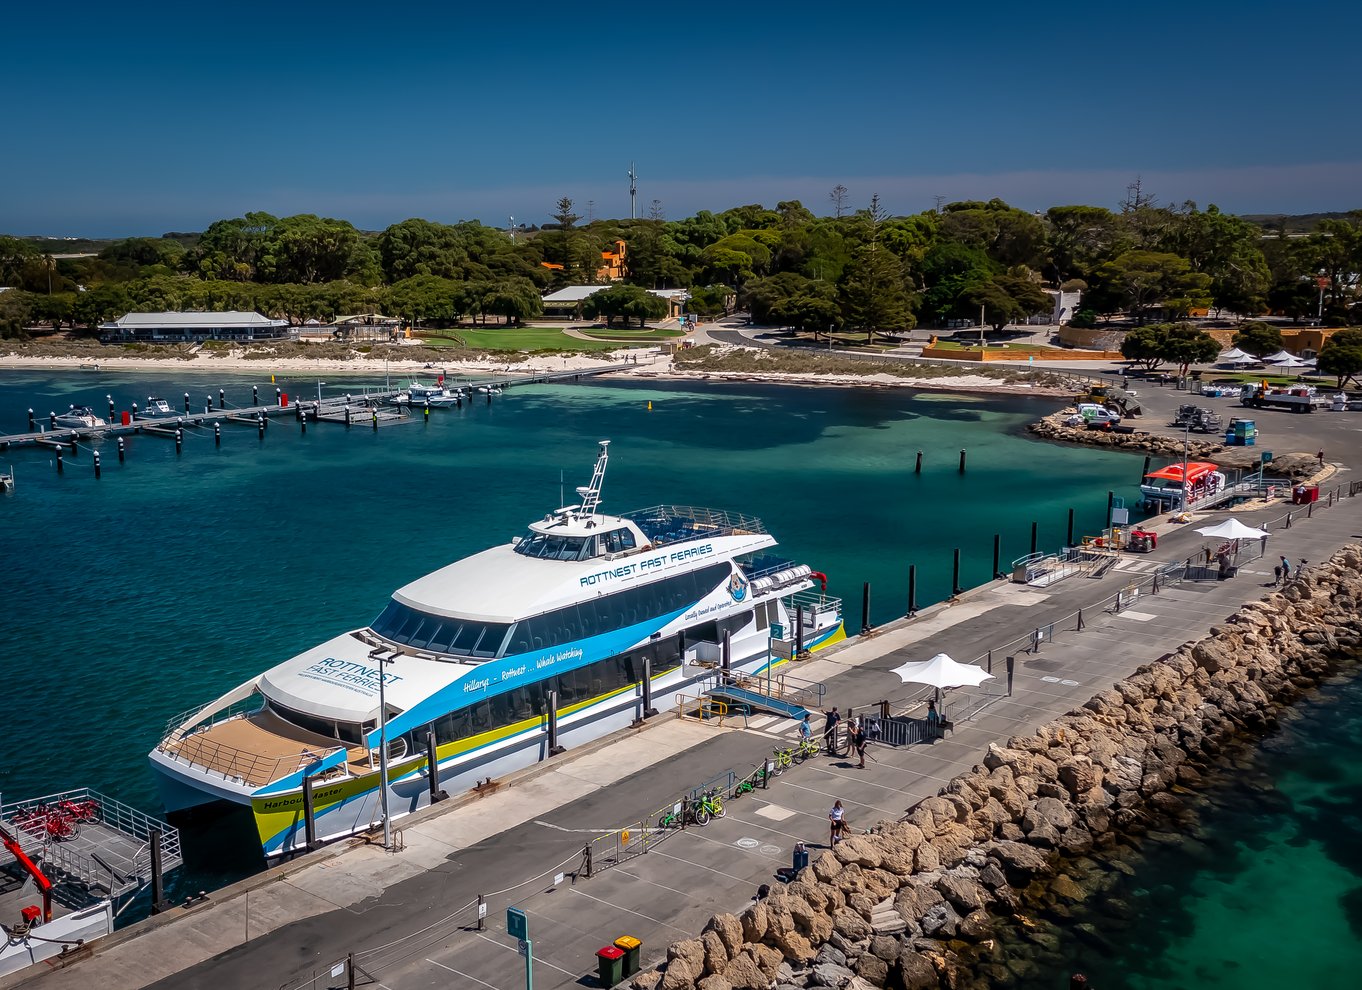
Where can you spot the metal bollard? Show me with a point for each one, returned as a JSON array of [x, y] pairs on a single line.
[[179, 439], [97, 471], [111, 407], [222, 399], [122, 454], [217, 434], [186, 402], [52, 419], [255, 395], [260, 425], [955, 574], [30, 421], [375, 420], [962, 462], [912, 590], [60, 468], [917, 469]]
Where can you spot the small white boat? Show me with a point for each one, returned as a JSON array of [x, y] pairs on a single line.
[[155, 409], [7, 480], [419, 393], [489, 390], [80, 418]]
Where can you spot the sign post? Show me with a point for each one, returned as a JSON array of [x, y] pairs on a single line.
[[518, 927]]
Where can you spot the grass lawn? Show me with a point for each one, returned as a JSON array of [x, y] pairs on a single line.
[[632, 336], [1248, 376], [521, 339]]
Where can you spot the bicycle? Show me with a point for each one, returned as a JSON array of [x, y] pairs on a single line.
[[783, 758], [806, 749], [709, 806], [748, 783], [670, 818]]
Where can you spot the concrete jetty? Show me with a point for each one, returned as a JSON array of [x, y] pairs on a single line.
[[410, 918]]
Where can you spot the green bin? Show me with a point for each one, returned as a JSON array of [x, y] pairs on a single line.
[[609, 965], [631, 947]]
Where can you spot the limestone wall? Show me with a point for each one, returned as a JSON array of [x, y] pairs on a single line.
[[902, 905]]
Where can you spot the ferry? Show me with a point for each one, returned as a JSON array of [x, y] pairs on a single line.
[[467, 661]]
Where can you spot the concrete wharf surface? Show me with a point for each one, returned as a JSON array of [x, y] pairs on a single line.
[[405, 914], [332, 410]]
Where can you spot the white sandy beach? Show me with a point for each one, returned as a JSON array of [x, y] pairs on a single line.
[[651, 365]]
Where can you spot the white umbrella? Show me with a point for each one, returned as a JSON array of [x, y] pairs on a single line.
[[1290, 361], [1238, 359], [1281, 355], [1233, 354], [941, 672], [1233, 529]]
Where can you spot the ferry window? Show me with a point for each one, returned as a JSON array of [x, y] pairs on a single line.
[[619, 540]]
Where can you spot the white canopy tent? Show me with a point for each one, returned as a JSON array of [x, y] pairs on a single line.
[[1233, 529], [1234, 354], [1237, 359], [1290, 361], [941, 672]]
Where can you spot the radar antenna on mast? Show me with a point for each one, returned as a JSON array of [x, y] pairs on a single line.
[[633, 193], [510, 223], [591, 494]]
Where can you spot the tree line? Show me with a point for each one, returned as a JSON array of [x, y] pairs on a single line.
[[860, 271]]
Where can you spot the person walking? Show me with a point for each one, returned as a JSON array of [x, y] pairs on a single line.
[[1277, 576], [859, 740], [1320, 455], [837, 823], [805, 729], [1286, 571], [830, 730]]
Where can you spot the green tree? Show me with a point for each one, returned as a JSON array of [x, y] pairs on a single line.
[[1186, 345], [627, 302], [1140, 280], [1080, 238], [710, 300], [16, 312], [1341, 356], [874, 294], [1143, 346], [1258, 339], [419, 247]]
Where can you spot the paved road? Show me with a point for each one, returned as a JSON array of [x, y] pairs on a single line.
[[299, 923]]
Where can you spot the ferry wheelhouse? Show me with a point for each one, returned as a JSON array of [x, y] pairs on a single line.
[[575, 613]]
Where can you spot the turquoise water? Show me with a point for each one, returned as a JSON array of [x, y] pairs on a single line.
[[133, 598], [1265, 891]]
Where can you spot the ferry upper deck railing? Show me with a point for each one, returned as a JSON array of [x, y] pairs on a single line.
[[234, 763], [675, 523]]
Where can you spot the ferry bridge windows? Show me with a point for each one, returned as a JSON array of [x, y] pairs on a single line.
[[439, 634], [618, 540]]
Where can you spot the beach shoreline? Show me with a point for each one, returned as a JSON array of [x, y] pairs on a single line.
[[659, 368]]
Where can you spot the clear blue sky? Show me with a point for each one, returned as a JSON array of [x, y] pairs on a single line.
[[141, 118]]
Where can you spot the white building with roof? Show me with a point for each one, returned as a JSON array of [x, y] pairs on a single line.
[[181, 327], [572, 296]]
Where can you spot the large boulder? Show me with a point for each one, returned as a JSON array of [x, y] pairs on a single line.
[[681, 975], [691, 950], [1019, 861], [859, 849], [965, 894], [716, 953], [830, 975], [1079, 775], [729, 930], [915, 972], [713, 982]]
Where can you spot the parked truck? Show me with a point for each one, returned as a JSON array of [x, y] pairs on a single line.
[[1296, 398]]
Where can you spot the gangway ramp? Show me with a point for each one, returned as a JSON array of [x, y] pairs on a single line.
[[757, 701]]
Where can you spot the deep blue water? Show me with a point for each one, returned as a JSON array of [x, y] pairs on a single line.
[[133, 598]]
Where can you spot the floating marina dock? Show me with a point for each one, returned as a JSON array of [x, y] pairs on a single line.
[[370, 408]]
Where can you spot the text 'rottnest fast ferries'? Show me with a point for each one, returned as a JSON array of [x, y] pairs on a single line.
[[462, 667]]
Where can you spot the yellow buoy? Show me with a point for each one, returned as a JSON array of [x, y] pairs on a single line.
[[650, 405]]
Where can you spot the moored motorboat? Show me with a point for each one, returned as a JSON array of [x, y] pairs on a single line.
[[581, 622], [156, 409], [79, 418], [1181, 486]]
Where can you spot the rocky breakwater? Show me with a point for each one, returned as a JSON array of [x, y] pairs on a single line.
[[1053, 427], [913, 904]]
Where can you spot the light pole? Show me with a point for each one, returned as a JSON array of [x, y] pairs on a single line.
[[320, 383], [1186, 439], [377, 655]]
